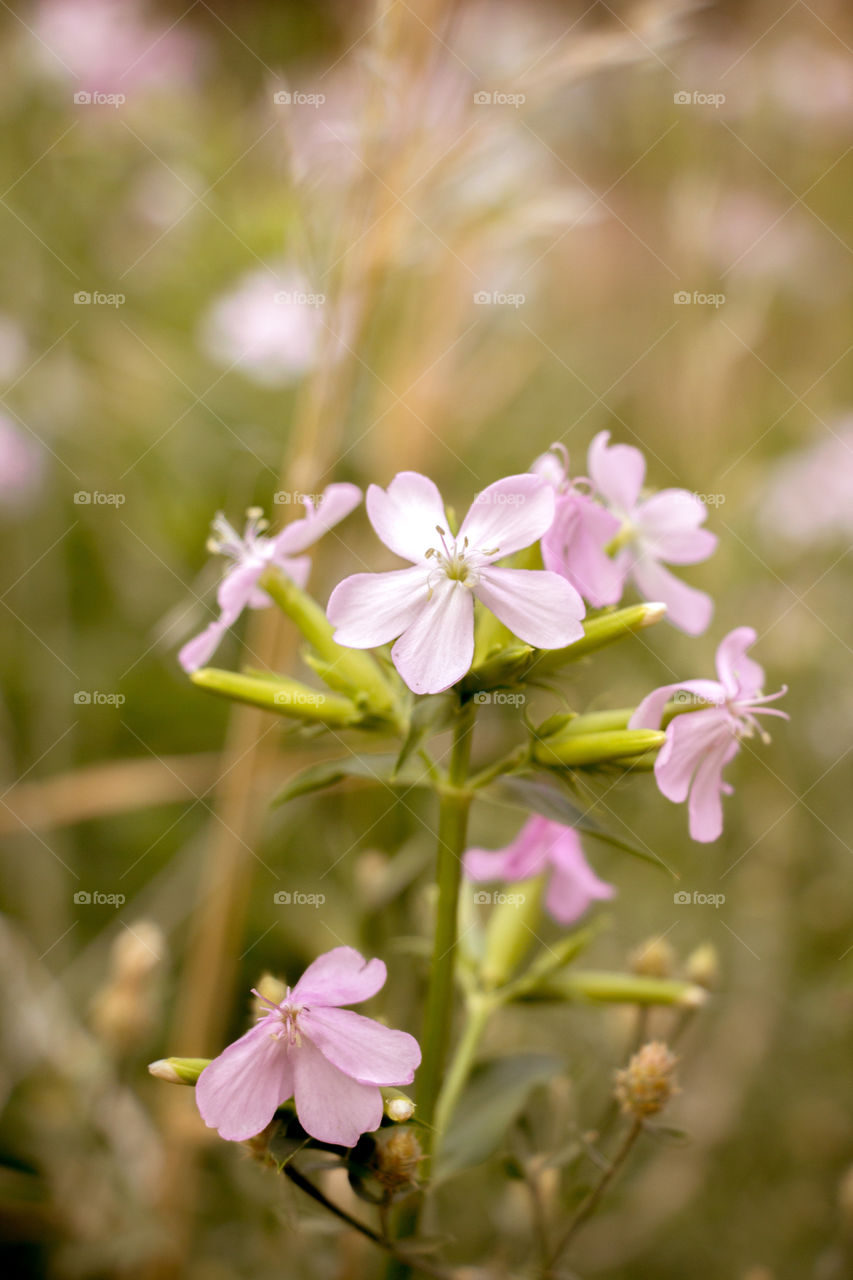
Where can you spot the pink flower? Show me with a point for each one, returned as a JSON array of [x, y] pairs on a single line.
[[661, 529], [431, 605], [575, 545], [541, 844], [699, 744], [331, 1061], [254, 552]]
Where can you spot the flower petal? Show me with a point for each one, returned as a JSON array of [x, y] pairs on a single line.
[[238, 1092], [236, 589], [336, 502], [539, 607], [362, 1047], [509, 515], [689, 739], [741, 676], [650, 711], [686, 607], [331, 1106], [574, 547], [405, 515], [341, 976], [437, 648], [198, 651], [668, 526], [616, 470], [525, 856], [369, 609], [296, 567], [705, 807], [574, 884]]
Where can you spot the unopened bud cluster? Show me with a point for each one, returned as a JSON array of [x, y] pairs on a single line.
[[396, 1159], [645, 1086]]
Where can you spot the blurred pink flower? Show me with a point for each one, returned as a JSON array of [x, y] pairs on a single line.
[[114, 46], [539, 846], [272, 329], [431, 606], [661, 529], [575, 545], [806, 498], [699, 744], [331, 1061], [254, 552], [21, 465]]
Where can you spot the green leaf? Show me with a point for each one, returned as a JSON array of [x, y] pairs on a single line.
[[378, 768], [550, 802], [497, 1092]]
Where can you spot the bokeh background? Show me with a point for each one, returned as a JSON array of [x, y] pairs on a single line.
[[252, 248]]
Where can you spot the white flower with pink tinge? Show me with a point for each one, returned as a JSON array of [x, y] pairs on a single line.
[[699, 744], [660, 529], [576, 544], [254, 552], [331, 1061], [431, 605]]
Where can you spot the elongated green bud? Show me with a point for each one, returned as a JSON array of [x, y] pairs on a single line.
[[286, 697], [507, 666], [513, 925], [397, 1106], [349, 670], [599, 632], [178, 1070], [573, 749], [554, 958], [619, 988]]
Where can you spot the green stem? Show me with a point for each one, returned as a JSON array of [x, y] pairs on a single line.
[[452, 834], [480, 1009]]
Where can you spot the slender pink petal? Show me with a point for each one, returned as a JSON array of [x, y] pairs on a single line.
[[236, 588], [525, 856], [689, 739], [336, 502], [689, 609], [705, 806], [238, 1092], [372, 608], [198, 651], [741, 676], [573, 885], [341, 976], [296, 567], [574, 547], [437, 648], [361, 1047], [331, 1106], [650, 711], [616, 470], [668, 525], [405, 515], [539, 607], [510, 514]]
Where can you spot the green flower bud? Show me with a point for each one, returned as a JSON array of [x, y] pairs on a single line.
[[178, 1070], [573, 750], [277, 693]]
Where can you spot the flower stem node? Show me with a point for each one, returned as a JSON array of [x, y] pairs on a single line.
[[646, 1085]]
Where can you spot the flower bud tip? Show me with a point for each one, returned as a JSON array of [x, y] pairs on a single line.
[[164, 1070], [653, 613]]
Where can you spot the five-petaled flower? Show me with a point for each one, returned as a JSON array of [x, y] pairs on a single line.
[[431, 605], [254, 552], [699, 744], [661, 529], [576, 543], [330, 1060], [539, 846]]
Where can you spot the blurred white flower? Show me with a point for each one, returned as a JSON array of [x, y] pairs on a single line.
[[21, 465], [273, 327], [807, 498]]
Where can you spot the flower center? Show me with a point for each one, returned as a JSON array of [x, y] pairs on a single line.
[[226, 541], [286, 1014], [458, 562]]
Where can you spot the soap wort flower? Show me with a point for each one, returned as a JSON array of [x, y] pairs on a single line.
[[430, 606], [253, 552], [657, 530], [540, 846], [330, 1060], [699, 744]]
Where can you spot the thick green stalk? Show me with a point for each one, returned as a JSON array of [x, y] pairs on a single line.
[[452, 834], [480, 1009]]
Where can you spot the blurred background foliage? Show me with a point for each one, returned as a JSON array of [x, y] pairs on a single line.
[[399, 198]]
